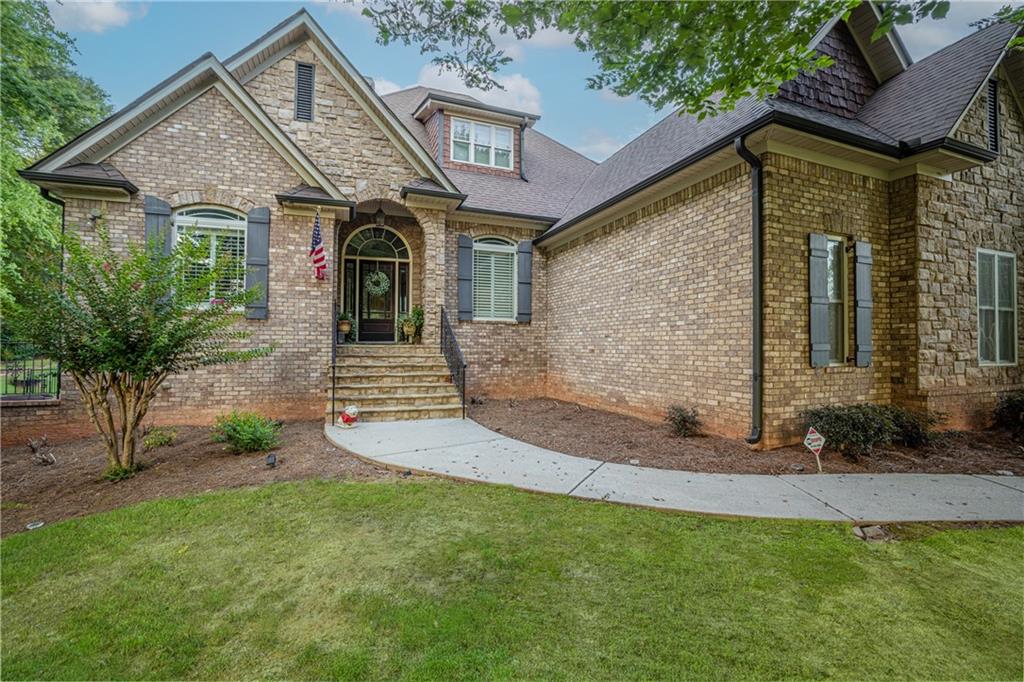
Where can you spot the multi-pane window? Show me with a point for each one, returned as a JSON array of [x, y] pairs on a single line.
[[836, 268], [481, 143], [222, 234], [494, 279], [997, 307]]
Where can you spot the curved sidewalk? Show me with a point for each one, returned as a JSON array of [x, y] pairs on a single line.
[[463, 449]]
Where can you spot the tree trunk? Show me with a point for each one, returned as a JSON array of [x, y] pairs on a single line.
[[109, 392]]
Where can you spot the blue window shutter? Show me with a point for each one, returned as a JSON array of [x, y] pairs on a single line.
[[257, 261], [465, 277], [158, 223], [818, 291], [864, 303], [525, 278]]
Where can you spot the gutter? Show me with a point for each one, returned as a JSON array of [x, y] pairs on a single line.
[[757, 286], [83, 181]]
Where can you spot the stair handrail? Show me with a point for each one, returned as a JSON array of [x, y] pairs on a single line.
[[453, 356]]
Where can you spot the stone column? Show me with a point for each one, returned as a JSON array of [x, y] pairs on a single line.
[[432, 222]]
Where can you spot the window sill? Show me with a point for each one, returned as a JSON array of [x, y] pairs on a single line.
[[997, 364], [7, 402], [492, 320]]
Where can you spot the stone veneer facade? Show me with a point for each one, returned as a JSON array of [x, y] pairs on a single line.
[[648, 310]]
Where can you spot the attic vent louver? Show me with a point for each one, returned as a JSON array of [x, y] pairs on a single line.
[[303, 92], [993, 115]]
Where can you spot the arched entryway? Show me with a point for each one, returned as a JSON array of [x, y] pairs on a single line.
[[376, 287]]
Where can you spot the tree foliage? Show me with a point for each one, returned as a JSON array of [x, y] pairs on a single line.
[[121, 321], [700, 56], [44, 104]]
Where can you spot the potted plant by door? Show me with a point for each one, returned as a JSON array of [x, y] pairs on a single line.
[[417, 317], [408, 326], [345, 324]]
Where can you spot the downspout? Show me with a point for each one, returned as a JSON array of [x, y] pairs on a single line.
[[522, 146], [757, 286]]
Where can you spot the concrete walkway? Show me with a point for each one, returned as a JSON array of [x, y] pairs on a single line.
[[463, 449]]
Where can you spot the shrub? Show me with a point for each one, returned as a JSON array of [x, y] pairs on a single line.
[[158, 437], [853, 430], [246, 432], [914, 428], [684, 420], [1009, 414]]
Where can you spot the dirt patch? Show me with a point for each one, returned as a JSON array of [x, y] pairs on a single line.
[[193, 464], [586, 432]]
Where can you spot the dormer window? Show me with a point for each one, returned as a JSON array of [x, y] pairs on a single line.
[[482, 144]]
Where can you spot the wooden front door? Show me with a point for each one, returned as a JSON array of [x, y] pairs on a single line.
[[377, 311]]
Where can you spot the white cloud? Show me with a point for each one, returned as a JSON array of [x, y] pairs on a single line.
[[546, 38], [598, 144], [94, 17], [930, 35], [518, 93], [609, 96], [383, 86]]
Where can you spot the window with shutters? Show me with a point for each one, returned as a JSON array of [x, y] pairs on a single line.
[[997, 307], [222, 232], [993, 115], [481, 143], [304, 82], [494, 279], [837, 322]]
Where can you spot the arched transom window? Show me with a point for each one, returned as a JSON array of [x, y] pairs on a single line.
[[494, 279], [223, 232], [377, 242]]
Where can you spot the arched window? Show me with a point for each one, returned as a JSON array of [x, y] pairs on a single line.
[[494, 279], [223, 232], [377, 242]]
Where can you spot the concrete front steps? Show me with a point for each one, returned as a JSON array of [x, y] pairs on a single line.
[[392, 382]]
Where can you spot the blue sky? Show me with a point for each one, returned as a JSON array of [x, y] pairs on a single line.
[[127, 47]]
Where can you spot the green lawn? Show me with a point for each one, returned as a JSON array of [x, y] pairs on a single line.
[[437, 580]]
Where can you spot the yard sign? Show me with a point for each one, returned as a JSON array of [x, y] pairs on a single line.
[[815, 442]]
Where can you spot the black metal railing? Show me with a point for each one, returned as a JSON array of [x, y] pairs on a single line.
[[453, 356], [334, 361], [24, 373]]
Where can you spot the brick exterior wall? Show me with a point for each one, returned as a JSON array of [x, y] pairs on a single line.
[[505, 359], [653, 309], [800, 198], [842, 88]]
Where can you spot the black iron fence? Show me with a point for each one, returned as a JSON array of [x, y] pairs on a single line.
[[25, 373], [453, 356]]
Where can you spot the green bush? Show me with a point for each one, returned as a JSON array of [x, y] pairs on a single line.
[[684, 420], [246, 432], [914, 428], [158, 437], [855, 430], [1009, 414]]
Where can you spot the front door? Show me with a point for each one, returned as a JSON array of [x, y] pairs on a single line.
[[378, 294]]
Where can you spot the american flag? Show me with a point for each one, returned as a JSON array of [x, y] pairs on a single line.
[[316, 250]]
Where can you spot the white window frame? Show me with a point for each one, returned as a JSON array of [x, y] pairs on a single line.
[[205, 225], [996, 304], [508, 246], [473, 125], [844, 299]]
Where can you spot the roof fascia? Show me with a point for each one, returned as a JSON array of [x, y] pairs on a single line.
[[77, 180], [894, 38]]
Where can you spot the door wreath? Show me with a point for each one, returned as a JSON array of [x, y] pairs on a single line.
[[377, 283]]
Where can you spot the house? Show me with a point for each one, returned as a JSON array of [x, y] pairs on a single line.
[[855, 238]]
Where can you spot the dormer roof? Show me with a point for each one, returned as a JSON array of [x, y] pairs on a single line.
[[462, 104]]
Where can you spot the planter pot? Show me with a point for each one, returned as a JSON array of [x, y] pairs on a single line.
[[344, 326], [410, 331]]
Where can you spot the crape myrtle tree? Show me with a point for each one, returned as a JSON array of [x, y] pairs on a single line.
[[121, 320], [700, 57]]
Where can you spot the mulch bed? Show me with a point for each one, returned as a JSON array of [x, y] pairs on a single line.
[[74, 486], [585, 432]]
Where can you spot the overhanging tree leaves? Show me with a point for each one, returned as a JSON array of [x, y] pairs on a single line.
[[120, 321], [702, 57], [44, 104]]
